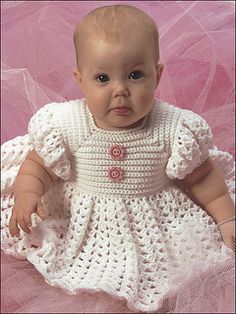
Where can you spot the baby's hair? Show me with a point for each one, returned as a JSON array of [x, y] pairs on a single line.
[[110, 23]]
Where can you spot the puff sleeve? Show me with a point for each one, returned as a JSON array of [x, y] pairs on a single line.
[[45, 133], [190, 147]]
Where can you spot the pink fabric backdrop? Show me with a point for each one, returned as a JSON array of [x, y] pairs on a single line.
[[197, 50]]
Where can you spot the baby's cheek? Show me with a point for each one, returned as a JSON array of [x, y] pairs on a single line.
[[146, 98]]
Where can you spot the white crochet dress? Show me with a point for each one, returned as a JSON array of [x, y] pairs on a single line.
[[117, 223]]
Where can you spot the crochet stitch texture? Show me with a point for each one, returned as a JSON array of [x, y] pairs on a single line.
[[117, 223]]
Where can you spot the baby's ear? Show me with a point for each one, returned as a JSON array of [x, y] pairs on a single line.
[[159, 73], [78, 76]]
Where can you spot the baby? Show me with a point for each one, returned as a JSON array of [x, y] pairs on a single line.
[[129, 195]]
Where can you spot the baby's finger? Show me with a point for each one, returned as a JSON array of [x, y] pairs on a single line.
[[27, 219], [13, 227], [23, 225], [41, 212]]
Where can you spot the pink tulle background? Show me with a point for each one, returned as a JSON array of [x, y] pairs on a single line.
[[197, 50]]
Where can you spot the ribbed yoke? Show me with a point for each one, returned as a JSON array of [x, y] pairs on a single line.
[[146, 147]]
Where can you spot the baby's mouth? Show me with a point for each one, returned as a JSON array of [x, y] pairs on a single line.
[[121, 110]]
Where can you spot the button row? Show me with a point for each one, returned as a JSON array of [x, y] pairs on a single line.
[[117, 152]]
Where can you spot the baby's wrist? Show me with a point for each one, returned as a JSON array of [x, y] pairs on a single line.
[[226, 220], [25, 194]]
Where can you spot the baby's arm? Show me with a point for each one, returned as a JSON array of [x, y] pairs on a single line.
[[33, 181], [206, 186]]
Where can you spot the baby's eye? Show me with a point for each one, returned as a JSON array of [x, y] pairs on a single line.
[[102, 78], [135, 75]]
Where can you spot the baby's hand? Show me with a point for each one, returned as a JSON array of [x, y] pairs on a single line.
[[25, 205], [227, 229]]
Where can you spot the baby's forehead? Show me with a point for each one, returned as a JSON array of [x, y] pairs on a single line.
[[113, 36]]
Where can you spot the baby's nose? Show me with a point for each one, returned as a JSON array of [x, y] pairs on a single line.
[[120, 89]]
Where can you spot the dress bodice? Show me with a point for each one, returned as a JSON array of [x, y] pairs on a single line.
[[123, 163]]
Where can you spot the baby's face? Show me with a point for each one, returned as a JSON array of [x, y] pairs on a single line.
[[118, 80]]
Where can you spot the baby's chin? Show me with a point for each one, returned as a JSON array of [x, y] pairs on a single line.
[[135, 124], [124, 126]]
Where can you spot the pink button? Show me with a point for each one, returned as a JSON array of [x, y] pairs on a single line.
[[115, 174], [117, 152]]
